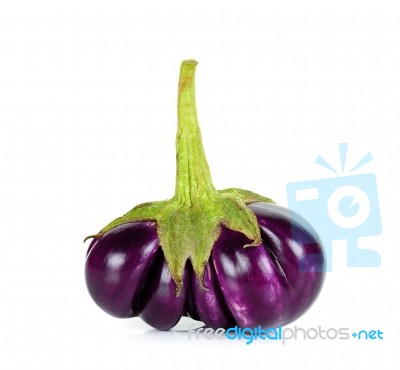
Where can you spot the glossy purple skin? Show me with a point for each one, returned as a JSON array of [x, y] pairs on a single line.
[[269, 285]]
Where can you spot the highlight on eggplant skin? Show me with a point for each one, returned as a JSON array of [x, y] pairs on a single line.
[[268, 285]]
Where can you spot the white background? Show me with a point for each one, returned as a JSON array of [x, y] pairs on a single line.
[[88, 118]]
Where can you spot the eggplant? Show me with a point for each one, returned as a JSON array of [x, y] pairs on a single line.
[[226, 257]]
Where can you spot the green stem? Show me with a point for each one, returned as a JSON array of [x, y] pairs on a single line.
[[193, 178]]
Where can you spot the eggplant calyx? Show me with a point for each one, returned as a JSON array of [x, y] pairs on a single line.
[[188, 232]]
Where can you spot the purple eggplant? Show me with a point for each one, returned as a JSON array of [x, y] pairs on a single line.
[[225, 257]]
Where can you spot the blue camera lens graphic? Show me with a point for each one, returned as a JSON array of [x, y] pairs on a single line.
[[348, 206]]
